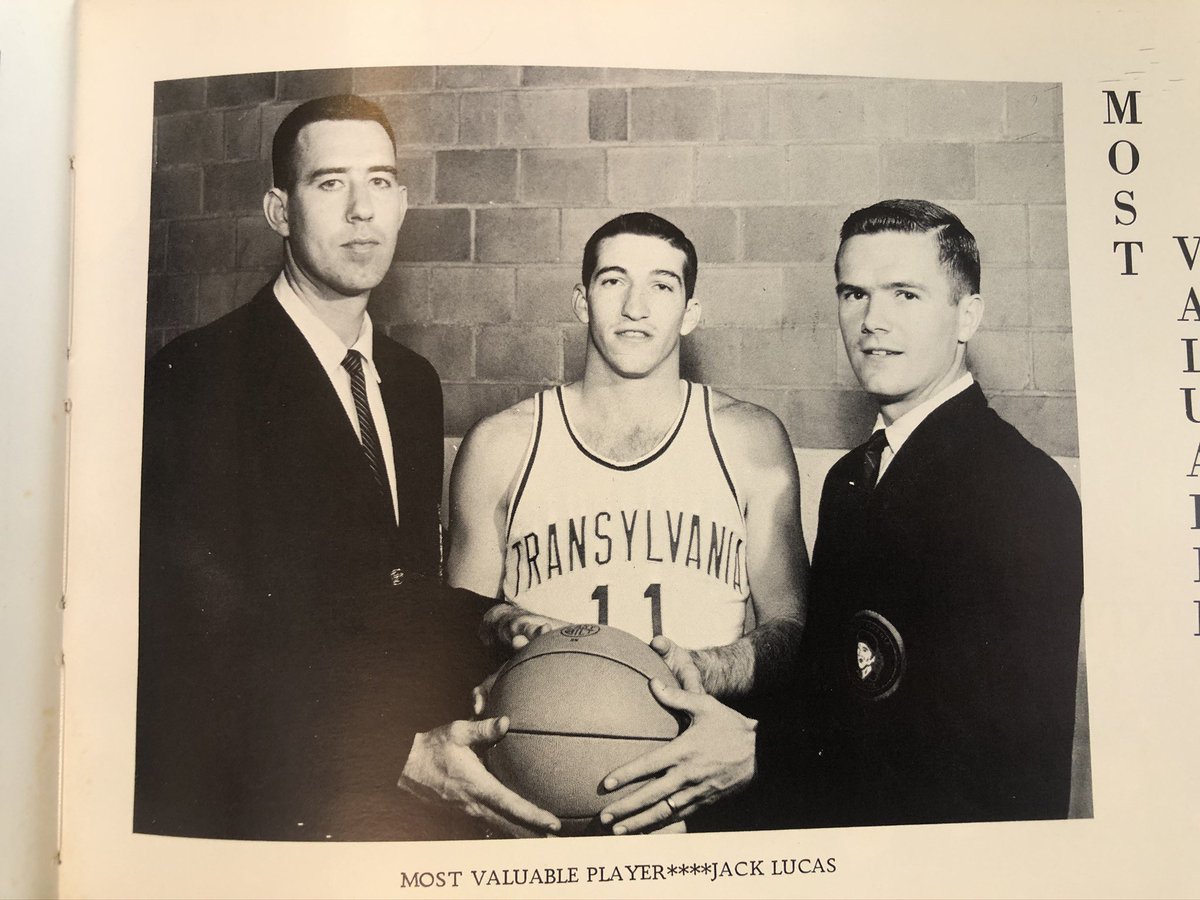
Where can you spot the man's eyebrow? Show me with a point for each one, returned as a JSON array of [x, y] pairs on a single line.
[[669, 273], [342, 170], [328, 170], [618, 269], [843, 287]]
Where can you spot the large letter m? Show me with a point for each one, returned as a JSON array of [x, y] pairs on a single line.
[[1116, 107]]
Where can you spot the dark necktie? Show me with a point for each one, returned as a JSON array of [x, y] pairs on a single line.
[[366, 426], [872, 458]]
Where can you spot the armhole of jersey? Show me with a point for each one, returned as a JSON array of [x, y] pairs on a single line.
[[712, 433], [534, 438]]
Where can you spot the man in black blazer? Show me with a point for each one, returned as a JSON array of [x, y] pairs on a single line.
[[294, 636], [936, 677], [941, 646]]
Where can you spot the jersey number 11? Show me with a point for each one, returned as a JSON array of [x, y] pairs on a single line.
[[653, 594]]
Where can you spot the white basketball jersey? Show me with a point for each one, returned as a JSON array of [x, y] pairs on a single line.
[[654, 546]]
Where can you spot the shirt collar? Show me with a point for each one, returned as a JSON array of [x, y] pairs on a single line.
[[327, 346], [900, 430]]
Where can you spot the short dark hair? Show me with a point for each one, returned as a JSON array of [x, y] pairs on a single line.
[[339, 108], [647, 225], [957, 250]]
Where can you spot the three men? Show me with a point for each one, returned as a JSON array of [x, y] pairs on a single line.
[[937, 676], [290, 647]]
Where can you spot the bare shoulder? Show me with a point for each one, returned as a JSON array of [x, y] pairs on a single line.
[[750, 435], [499, 440], [508, 426], [761, 462]]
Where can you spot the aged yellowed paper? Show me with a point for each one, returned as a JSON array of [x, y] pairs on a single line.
[[1136, 441]]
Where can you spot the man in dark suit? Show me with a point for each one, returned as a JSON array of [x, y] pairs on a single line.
[[941, 646], [294, 636], [936, 680]]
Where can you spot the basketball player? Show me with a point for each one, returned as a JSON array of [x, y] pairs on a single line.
[[634, 498]]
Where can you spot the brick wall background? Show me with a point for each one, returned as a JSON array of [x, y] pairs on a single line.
[[509, 169]]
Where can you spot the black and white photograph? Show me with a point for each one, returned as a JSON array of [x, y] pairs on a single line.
[[611, 450], [628, 333]]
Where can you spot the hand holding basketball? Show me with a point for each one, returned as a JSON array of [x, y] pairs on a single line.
[[580, 705], [512, 627], [444, 764], [480, 693], [712, 759], [681, 663]]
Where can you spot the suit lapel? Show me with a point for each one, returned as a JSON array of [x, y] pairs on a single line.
[[396, 391], [938, 437], [300, 411]]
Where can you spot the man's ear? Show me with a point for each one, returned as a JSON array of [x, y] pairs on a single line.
[[275, 208], [970, 314], [691, 317], [579, 303]]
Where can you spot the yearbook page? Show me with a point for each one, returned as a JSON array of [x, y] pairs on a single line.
[[35, 104], [849, 347]]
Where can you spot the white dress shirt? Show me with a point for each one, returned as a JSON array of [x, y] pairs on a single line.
[[900, 430], [330, 352]]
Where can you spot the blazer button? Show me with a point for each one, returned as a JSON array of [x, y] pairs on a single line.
[[397, 577]]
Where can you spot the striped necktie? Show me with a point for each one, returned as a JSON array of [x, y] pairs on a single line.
[[369, 437]]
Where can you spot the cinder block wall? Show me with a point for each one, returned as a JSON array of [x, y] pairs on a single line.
[[509, 169]]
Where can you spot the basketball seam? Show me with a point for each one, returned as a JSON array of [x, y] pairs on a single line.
[[589, 734]]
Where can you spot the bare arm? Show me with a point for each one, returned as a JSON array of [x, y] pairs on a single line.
[[763, 467], [481, 484], [484, 469]]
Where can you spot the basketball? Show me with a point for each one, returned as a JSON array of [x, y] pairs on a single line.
[[579, 705]]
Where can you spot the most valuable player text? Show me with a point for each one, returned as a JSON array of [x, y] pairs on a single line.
[[710, 870]]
